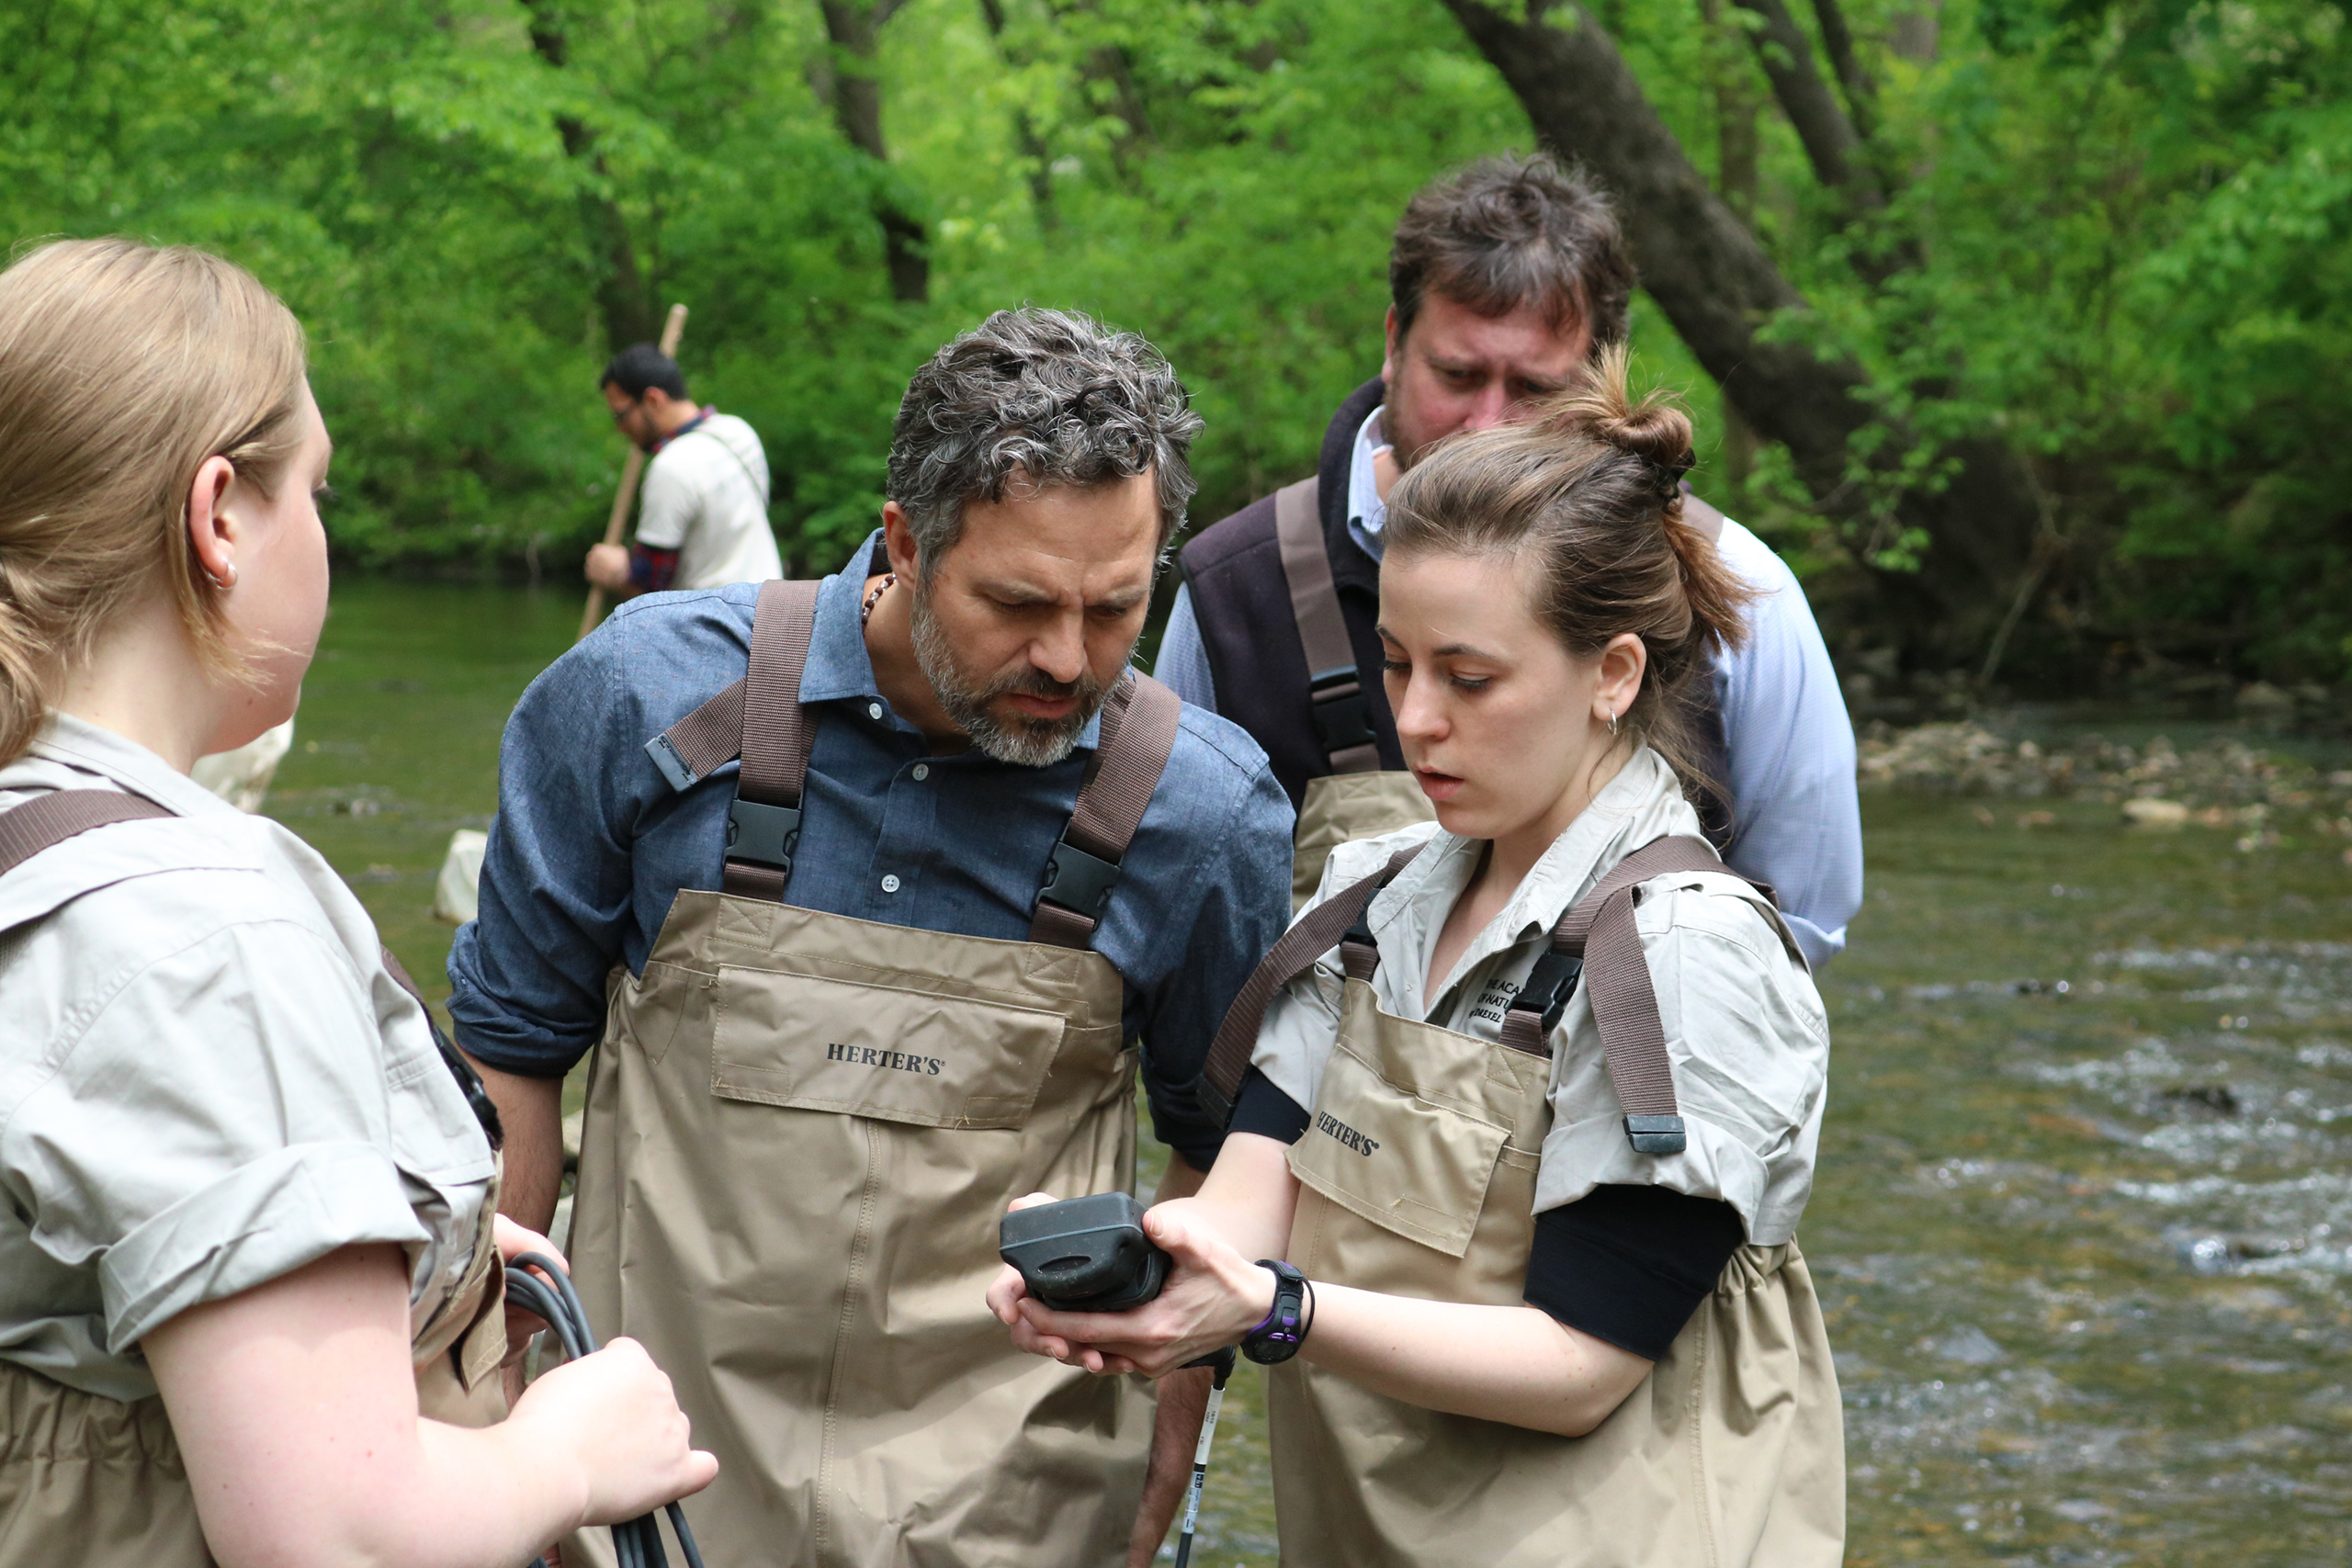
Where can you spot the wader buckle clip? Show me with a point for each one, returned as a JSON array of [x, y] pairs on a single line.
[[1342, 708], [1079, 881], [1549, 985], [1655, 1134], [673, 766], [764, 835]]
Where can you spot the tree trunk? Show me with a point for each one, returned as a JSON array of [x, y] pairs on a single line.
[[1736, 170], [1861, 92], [854, 29], [1914, 33], [1033, 150], [1715, 284], [623, 301], [1831, 143]]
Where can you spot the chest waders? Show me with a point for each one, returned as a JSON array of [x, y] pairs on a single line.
[[1418, 1178], [1358, 798], [801, 1132], [97, 1483]]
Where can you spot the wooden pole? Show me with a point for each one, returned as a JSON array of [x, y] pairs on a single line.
[[672, 330]]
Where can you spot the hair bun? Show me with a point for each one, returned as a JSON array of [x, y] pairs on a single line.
[[1653, 429]]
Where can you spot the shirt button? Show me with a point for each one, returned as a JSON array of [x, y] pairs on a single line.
[[874, 710], [922, 772], [889, 884]]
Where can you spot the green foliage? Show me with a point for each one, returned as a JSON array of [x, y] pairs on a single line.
[[2132, 217], [2116, 239]]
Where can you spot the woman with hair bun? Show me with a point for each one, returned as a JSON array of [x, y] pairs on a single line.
[[1531, 1094], [249, 1281]]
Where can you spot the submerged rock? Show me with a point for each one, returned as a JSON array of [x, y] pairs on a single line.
[[2156, 813], [2222, 783], [1969, 1346], [456, 896], [241, 777]]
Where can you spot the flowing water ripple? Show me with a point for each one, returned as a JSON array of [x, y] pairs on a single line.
[[2085, 1223]]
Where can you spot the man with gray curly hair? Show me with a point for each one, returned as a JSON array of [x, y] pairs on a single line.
[[900, 965], [1032, 403]]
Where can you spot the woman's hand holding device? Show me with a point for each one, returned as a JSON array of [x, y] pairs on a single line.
[[1214, 1295]]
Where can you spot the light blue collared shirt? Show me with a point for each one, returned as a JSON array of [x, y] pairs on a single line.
[[1790, 746], [592, 845]]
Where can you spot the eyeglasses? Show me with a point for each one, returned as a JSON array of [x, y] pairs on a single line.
[[627, 409]]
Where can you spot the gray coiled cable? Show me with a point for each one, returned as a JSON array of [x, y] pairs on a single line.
[[636, 1542]]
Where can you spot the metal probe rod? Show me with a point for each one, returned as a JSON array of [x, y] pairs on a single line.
[[1223, 1363]]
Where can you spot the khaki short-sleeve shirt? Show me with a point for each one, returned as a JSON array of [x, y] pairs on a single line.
[[1745, 1028], [208, 1079]]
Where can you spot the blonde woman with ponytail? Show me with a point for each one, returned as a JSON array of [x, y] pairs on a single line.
[[1518, 1237], [249, 1304]]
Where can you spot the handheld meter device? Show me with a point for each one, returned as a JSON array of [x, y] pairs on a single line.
[[1084, 1253]]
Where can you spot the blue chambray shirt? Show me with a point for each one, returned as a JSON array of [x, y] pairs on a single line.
[[591, 843]]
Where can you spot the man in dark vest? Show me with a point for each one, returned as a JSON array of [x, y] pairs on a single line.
[[1505, 279]]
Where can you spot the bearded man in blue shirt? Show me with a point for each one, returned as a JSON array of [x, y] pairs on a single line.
[[896, 965]]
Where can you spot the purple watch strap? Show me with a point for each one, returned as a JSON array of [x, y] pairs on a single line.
[[1279, 1334]]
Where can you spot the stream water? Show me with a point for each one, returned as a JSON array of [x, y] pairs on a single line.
[[2084, 1220]]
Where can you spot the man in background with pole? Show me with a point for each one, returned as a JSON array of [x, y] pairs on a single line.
[[704, 523]]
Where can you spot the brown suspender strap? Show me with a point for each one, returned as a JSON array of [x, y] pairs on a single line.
[[710, 736], [1315, 933], [773, 737], [49, 819], [470, 1082], [1335, 687], [760, 719], [1131, 751], [1600, 940]]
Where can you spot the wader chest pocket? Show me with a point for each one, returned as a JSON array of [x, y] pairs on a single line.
[[891, 1053], [1404, 1163]]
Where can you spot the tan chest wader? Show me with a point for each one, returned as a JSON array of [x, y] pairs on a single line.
[[88, 1482], [1418, 1176], [1358, 798], [801, 1131]]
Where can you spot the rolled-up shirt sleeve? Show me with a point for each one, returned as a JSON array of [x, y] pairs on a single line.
[[668, 505], [1243, 862], [1749, 1047], [526, 976], [223, 1119]]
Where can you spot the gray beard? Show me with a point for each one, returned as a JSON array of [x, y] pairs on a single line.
[[1033, 743]]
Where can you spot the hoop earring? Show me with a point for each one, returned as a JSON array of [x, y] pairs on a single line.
[[225, 579], [1613, 724]]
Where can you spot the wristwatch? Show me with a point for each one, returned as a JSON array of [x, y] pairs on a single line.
[[1286, 1325]]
